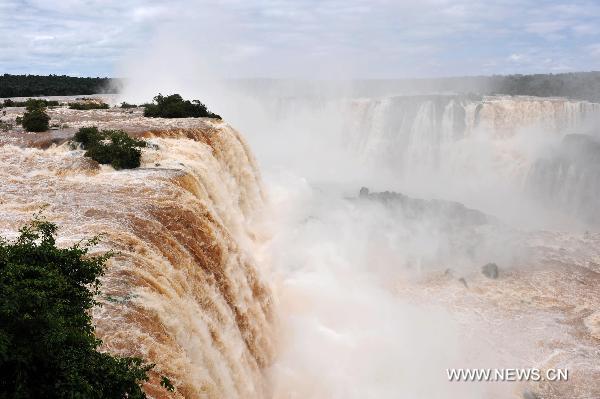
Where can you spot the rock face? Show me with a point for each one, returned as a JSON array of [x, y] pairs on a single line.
[[436, 235], [184, 291], [450, 211], [490, 270]]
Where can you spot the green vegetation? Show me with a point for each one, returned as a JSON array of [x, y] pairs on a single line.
[[54, 85], [47, 344], [127, 105], [5, 126], [581, 85], [35, 119], [174, 106], [84, 106], [112, 147], [167, 384], [38, 101]]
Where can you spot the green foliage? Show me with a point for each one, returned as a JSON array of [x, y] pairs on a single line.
[[54, 85], [127, 105], [174, 106], [47, 344], [112, 147], [31, 103], [37, 103], [5, 126], [88, 136], [84, 106], [35, 119], [167, 384]]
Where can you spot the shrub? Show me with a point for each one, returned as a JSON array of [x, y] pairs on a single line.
[[5, 126], [127, 105], [112, 147], [34, 103], [31, 103], [47, 344], [35, 119], [88, 136], [85, 106], [174, 106]]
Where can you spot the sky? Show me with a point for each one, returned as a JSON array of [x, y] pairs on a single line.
[[303, 38]]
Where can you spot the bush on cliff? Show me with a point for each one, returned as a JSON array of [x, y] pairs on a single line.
[[35, 119], [174, 106], [112, 147], [47, 344]]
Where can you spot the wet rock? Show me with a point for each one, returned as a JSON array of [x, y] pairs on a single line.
[[490, 270], [453, 213]]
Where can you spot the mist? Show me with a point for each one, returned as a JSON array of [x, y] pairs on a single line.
[[351, 274]]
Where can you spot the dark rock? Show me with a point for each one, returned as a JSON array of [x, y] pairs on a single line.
[[453, 213], [490, 270]]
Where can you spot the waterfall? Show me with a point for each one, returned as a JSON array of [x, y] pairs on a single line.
[[183, 290], [412, 133], [488, 143]]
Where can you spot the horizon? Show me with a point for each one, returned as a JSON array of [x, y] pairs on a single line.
[[328, 79]]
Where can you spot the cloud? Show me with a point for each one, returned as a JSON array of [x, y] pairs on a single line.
[[276, 38]]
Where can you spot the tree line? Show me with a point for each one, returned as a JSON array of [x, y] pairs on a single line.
[[54, 85], [575, 85]]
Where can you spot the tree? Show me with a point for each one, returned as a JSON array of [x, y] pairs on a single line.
[[113, 147], [174, 106], [35, 119], [47, 344]]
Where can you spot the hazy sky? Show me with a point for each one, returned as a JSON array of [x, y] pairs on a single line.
[[304, 38]]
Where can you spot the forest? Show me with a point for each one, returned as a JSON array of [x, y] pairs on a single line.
[[579, 85], [54, 85], [575, 85]]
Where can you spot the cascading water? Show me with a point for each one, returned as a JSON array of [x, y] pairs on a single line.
[[380, 294], [466, 148], [306, 289], [492, 141], [184, 290]]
